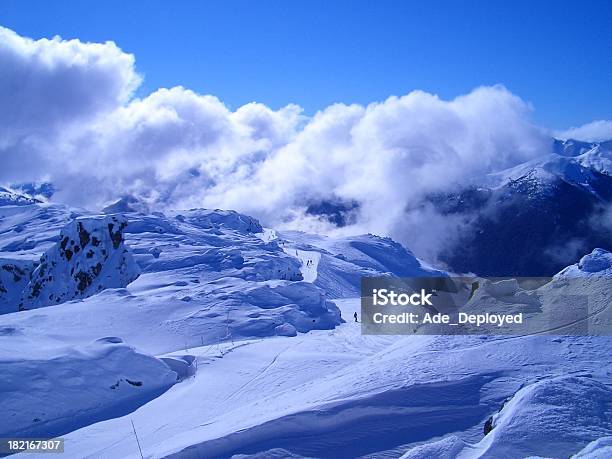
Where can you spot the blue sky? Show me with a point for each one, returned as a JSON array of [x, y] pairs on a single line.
[[555, 54]]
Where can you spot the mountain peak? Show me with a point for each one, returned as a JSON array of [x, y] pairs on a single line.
[[12, 198]]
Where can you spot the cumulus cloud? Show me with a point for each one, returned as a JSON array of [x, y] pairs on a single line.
[[49, 86], [387, 156], [596, 131], [69, 116]]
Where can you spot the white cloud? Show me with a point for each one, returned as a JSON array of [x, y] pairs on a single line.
[[386, 156], [78, 126], [596, 131], [49, 86]]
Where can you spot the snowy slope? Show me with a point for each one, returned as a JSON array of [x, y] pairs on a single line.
[[50, 390], [206, 278], [235, 333], [548, 418], [598, 449], [572, 161], [341, 263], [345, 395], [27, 231]]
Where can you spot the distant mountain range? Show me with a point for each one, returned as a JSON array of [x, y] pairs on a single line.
[[530, 220], [536, 218]]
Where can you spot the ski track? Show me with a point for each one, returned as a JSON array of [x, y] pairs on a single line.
[[308, 258], [261, 373]]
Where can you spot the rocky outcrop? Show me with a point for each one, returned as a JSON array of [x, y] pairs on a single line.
[[89, 257], [14, 276]]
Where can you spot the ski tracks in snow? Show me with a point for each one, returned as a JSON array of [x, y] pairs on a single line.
[[261, 372]]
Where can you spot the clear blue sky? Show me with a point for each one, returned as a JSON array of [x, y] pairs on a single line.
[[555, 54]]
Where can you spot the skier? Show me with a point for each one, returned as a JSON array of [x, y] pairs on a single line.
[[355, 316]]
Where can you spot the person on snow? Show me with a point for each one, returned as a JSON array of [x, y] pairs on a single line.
[[355, 316]]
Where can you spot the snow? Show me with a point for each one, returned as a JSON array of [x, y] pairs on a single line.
[[598, 449], [575, 168], [243, 342], [338, 264], [549, 418], [126, 204], [285, 330], [8, 197], [28, 230], [599, 158], [309, 262], [340, 391], [597, 263], [448, 448], [51, 390]]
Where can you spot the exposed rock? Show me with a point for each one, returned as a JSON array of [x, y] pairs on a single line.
[[89, 258], [488, 427]]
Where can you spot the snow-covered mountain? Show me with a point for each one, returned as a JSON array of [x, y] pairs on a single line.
[[9, 197], [536, 218], [217, 337], [194, 278]]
